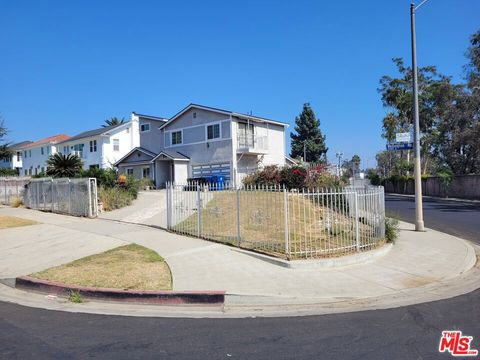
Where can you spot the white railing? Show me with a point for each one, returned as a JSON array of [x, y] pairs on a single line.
[[293, 224], [252, 142]]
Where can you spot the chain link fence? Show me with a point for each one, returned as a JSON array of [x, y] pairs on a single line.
[[76, 197], [12, 189], [291, 224]]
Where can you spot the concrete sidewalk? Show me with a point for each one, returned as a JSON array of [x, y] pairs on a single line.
[[420, 267]]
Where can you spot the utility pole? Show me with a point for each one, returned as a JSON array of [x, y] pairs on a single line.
[[419, 224], [339, 155]]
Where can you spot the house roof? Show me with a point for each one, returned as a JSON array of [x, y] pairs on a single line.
[[48, 140], [151, 117], [19, 145], [174, 155], [95, 132], [221, 111], [145, 151]]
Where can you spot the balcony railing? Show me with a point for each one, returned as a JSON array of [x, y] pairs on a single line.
[[252, 144]]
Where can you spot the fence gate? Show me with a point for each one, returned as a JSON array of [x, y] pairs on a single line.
[[76, 197]]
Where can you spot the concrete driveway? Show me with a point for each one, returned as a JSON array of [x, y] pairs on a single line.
[[149, 208]]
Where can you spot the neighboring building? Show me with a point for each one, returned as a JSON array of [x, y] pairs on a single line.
[[202, 141], [101, 148], [35, 154], [15, 161]]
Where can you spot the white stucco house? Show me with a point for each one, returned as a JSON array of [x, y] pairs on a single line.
[[201, 141], [35, 154], [14, 162], [101, 148]]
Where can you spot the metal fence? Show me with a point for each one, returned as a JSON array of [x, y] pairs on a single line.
[[291, 224], [12, 188], [76, 197]]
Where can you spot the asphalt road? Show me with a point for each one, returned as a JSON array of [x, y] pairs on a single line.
[[405, 333], [411, 332], [459, 218]]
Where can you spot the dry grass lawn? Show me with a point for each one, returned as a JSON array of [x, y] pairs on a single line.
[[313, 228], [129, 267], [12, 221]]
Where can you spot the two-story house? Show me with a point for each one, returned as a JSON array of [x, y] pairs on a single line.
[[101, 148], [202, 141], [35, 154], [14, 162]]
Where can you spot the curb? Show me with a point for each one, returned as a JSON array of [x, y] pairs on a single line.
[[473, 201], [363, 257], [137, 296]]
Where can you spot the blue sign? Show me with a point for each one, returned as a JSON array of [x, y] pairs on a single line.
[[399, 146]]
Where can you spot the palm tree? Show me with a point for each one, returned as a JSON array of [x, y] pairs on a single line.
[[113, 121], [59, 165]]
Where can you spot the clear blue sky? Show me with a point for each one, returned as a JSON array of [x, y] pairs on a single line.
[[66, 66]]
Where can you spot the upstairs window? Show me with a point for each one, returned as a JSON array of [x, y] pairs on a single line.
[[93, 146], [213, 131], [41, 150], [25, 154], [145, 127], [116, 145], [176, 137], [19, 155]]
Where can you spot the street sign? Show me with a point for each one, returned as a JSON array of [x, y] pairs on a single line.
[[399, 146], [403, 137]]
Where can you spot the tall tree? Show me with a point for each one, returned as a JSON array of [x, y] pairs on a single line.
[[113, 121], [435, 92], [458, 145], [5, 152], [308, 137]]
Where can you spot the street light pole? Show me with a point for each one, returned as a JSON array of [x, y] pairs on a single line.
[[419, 224]]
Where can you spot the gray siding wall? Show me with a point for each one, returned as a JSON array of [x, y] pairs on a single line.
[[202, 117], [194, 134], [153, 139], [137, 156]]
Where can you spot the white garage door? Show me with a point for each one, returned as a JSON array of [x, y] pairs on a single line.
[[220, 169]]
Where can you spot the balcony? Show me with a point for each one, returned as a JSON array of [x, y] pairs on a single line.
[[252, 144]]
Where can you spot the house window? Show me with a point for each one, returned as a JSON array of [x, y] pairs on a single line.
[[19, 155], [146, 173], [129, 171], [176, 137], [65, 150], [194, 115], [30, 171], [41, 150], [116, 145], [29, 153], [213, 131], [78, 150], [93, 146], [25, 171], [49, 150], [25, 154], [145, 127]]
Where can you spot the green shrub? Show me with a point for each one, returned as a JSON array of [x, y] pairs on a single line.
[[114, 197], [322, 180], [293, 177], [391, 229], [8, 172], [105, 177]]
